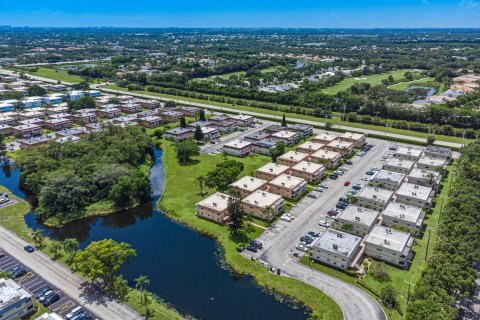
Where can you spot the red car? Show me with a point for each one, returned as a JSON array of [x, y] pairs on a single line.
[[332, 213], [347, 183]]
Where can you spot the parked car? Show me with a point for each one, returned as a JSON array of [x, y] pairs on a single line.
[[75, 312], [257, 244], [357, 186], [240, 249], [333, 177], [342, 199], [323, 186], [324, 223], [332, 212], [46, 295], [2, 254], [352, 193], [370, 172], [285, 218], [302, 247], [347, 183], [81, 316], [393, 148], [17, 272], [42, 291], [318, 189], [365, 178], [349, 162], [29, 248], [291, 216], [251, 248], [341, 205], [311, 195], [313, 234], [51, 300]]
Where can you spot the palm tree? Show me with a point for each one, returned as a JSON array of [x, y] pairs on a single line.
[[38, 237], [141, 283], [200, 181], [146, 299], [70, 246], [55, 248]]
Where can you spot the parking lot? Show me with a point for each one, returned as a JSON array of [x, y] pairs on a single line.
[[34, 283]]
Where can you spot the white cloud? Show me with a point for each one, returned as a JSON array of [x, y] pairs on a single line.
[[469, 4]]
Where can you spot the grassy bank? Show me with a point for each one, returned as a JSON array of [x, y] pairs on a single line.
[[336, 120], [12, 218], [400, 278], [178, 202]]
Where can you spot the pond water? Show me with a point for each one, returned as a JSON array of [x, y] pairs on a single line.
[[184, 267], [430, 90]]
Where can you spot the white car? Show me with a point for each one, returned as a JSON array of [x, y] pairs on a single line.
[[286, 218], [324, 223], [365, 178], [291, 216]]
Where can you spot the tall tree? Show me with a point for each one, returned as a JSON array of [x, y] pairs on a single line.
[[234, 206], [38, 237], [198, 134], [224, 174], [186, 149], [141, 283], [55, 248], [36, 90], [202, 115], [183, 122], [70, 246], [277, 150], [200, 181], [284, 121], [146, 299]]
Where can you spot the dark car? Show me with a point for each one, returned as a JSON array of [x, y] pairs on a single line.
[[51, 300], [241, 248], [42, 291], [29, 248], [349, 162], [341, 205], [333, 177], [17, 272], [2, 254], [252, 248], [313, 234], [341, 199], [257, 244], [46, 295], [311, 195]]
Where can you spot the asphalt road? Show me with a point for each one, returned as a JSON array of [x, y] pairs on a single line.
[[280, 239], [69, 283]]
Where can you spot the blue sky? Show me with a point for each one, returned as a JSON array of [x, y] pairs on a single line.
[[242, 13]]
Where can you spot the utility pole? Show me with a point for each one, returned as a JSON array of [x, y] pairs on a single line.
[[408, 291], [428, 243]]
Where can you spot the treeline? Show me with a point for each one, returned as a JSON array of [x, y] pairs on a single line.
[[450, 274], [66, 178]]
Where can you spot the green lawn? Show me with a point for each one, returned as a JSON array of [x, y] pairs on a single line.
[[56, 74], [405, 84], [11, 218], [336, 119], [399, 277], [238, 73], [179, 199], [373, 79]]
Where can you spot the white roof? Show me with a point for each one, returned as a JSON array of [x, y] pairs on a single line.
[[414, 191], [385, 175], [399, 163], [338, 242], [10, 292], [326, 154], [409, 151], [359, 215], [273, 168], [436, 162], [262, 199], [341, 144], [307, 166], [249, 183], [392, 239], [294, 156], [377, 194], [353, 135], [284, 134], [423, 174], [237, 144], [287, 181], [402, 211], [217, 201], [326, 136], [311, 146], [241, 117]]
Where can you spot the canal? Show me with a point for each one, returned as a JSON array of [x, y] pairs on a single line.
[[184, 267]]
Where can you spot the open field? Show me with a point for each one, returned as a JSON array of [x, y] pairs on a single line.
[[336, 120], [405, 84], [53, 73], [373, 79], [179, 200], [238, 73]]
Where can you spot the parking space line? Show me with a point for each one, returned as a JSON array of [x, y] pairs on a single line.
[[59, 302], [8, 265], [64, 307], [4, 262], [37, 286], [25, 277], [30, 281]]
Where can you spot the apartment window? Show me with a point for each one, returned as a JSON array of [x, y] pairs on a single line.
[[378, 249]]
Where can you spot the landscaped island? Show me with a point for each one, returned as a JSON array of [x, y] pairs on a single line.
[[105, 172]]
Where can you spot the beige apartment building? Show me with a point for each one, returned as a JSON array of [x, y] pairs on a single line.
[[390, 245], [408, 153], [358, 139], [398, 214], [344, 148], [288, 186], [329, 159], [429, 163], [248, 185], [426, 178], [398, 165], [288, 137], [310, 171], [374, 198], [324, 138], [291, 158], [271, 170], [214, 208], [309, 147], [356, 220], [415, 195], [263, 205], [389, 180]]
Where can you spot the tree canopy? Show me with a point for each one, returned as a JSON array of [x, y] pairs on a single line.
[[225, 173]]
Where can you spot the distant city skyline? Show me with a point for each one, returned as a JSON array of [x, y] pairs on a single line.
[[247, 13]]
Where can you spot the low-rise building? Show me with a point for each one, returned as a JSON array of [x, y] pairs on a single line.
[[398, 214], [304, 130], [248, 184], [150, 121], [415, 195], [390, 245], [310, 171], [264, 146], [219, 118], [225, 126], [130, 108], [324, 138], [95, 127], [243, 120], [15, 302], [288, 186], [58, 124], [188, 111], [85, 117], [288, 137], [291, 158], [109, 112], [33, 142], [78, 131], [398, 165], [178, 134], [148, 113], [210, 133], [310, 147], [330, 159], [214, 208], [61, 116], [263, 205], [344, 148], [172, 116], [238, 148], [257, 136], [27, 130], [37, 122], [433, 164], [5, 129], [335, 248], [149, 104], [385, 179], [426, 178], [408, 153], [438, 152], [356, 220], [271, 170], [200, 124], [358, 139], [274, 128], [374, 198], [67, 139]]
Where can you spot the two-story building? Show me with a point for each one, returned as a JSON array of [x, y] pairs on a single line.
[[398, 214], [172, 116], [263, 205], [248, 185], [310, 171], [344, 148], [27, 130], [271, 170], [426, 178], [257, 136], [415, 195], [324, 138], [408, 153], [356, 220], [15, 302], [385, 179], [438, 152], [109, 112], [214, 208], [178, 134], [374, 198], [130, 108], [288, 137], [150, 121], [264, 146], [433, 164], [243, 120], [390, 245], [398, 165], [288, 186], [358, 139], [238, 148], [329, 159], [304, 130], [291, 158], [309, 147], [58, 124]]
